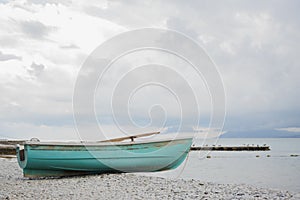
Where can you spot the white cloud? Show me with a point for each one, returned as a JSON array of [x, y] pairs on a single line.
[[5, 57], [44, 43], [208, 132], [50, 133], [289, 129]]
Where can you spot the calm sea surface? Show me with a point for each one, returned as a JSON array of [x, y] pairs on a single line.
[[279, 171]]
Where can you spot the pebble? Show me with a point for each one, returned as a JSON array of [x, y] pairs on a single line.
[[123, 186]]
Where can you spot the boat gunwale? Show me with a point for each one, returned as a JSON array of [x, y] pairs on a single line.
[[87, 143]]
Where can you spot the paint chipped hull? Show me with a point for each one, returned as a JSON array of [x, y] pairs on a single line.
[[67, 159]]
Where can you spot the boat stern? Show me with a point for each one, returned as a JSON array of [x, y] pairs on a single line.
[[21, 155]]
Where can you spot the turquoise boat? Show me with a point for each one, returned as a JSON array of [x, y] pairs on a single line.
[[55, 159]]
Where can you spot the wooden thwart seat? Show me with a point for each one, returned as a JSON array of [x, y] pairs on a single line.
[[131, 137]]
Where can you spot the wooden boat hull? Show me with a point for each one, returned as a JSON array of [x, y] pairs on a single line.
[[65, 159]]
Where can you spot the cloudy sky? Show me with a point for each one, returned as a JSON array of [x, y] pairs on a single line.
[[254, 44]]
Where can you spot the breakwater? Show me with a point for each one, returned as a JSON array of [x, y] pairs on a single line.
[[231, 148]]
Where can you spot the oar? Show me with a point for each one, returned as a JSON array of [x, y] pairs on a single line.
[[130, 137]]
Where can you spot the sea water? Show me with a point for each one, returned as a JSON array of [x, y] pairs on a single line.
[[270, 169]]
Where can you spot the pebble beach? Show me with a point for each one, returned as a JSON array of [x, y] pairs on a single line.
[[123, 186]]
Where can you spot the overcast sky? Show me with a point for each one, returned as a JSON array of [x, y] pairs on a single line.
[[43, 44]]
